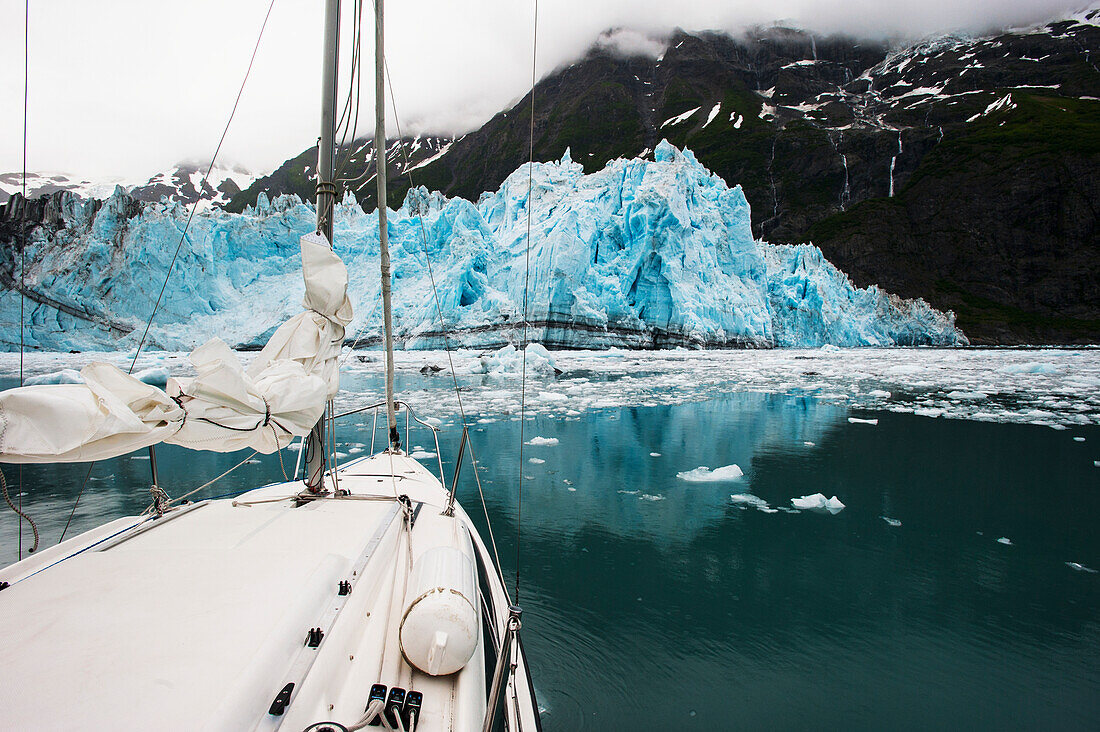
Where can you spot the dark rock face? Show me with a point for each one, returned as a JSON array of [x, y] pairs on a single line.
[[354, 169]]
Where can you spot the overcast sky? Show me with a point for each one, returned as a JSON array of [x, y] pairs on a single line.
[[129, 87]]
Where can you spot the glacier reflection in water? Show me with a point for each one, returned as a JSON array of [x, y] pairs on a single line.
[[655, 603]]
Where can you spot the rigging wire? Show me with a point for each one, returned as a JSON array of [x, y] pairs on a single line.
[[526, 284], [183, 236], [23, 256], [77, 501], [195, 205], [443, 326], [354, 84]]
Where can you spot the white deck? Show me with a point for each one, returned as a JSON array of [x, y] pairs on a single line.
[[200, 619]]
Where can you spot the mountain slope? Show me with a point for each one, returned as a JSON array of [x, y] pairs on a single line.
[[827, 134]]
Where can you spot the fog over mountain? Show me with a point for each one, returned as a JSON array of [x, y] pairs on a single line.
[[108, 98]]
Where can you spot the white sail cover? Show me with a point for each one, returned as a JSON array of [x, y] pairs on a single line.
[[224, 408]]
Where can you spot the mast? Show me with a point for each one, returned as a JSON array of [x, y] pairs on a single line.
[[383, 242], [326, 201]]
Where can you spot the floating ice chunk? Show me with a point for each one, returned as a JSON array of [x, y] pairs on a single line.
[[536, 461], [1080, 567], [1005, 540], [1078, 439], [657, 454], [818, 502], [509, 361], [433, 421], [417, 455], [857, 420], [749, 499], [630, 493], [546, 441], [64, 376], [1031, 367], [648, 497], [295, 446], [703, 474], [969, 395], [891, 521], [1096, 463], [156, 376], [879, 394], [829, 348], [807, 443]]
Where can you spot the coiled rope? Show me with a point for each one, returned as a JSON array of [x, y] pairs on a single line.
[[25, 517]]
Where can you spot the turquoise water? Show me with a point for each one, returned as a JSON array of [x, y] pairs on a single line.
[[655, 603]]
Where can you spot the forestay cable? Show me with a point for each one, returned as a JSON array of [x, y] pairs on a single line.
[[443, 329], [195, 205], [183, 237], [23, 256], [526, 285]]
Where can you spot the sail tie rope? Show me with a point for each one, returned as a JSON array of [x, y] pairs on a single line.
[[25, 517]]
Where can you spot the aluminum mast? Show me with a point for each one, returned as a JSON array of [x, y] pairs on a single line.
[[383, 239], [326, 201]]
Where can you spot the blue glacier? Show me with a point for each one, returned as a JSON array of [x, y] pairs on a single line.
[[644, 253]]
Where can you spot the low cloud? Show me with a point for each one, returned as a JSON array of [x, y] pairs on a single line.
[[629, 43], [109, 97]]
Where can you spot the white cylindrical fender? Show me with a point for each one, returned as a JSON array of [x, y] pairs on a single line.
[[439, 628]]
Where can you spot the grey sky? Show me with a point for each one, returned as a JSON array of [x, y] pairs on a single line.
[[129, 87]]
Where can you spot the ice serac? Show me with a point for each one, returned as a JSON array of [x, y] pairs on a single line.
[[644, 253]]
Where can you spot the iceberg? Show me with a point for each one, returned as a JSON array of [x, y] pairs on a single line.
[[641, 254], [509, 361], [818, 502], [748, 499], [703, 474]]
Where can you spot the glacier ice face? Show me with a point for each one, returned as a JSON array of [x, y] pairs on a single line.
[[639, 254]]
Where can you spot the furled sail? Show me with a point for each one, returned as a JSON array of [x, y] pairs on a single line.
[[222, 409]]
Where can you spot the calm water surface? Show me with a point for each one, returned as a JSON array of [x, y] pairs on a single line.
[[654, 603]]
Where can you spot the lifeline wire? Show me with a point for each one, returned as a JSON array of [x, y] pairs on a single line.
[[443, 329], [526, 281], [195, 205]]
